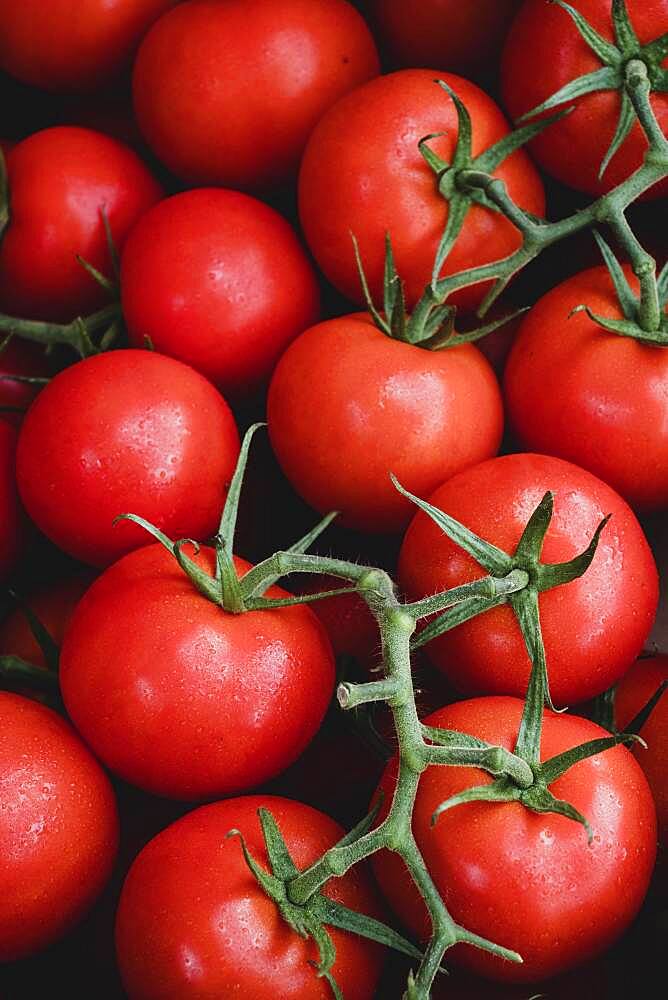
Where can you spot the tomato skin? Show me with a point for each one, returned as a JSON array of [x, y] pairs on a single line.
[[579, 392], [193, 922], [347, 405], [54, 606], [197, 702], [58, 827], [593, 628], [461, 37], [72, 44], [218, 280], [633, 692], [59, 181], [208, 69], [544, 51], [125, 432], [362, 172], [11, 520], [529, 881]]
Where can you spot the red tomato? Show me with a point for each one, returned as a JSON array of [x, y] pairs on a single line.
[[19, 357], [218, 280], [193, 922], [126, 432], [593, 628], [577, 391], [72, 44], [54, 605], [60, 180], [259, 73], [461, 37], [545, 51], [633, 691], [182, 698], [362, 172], [348, 405], [58, 827], [529, 881], [349, 623], [11, 528]]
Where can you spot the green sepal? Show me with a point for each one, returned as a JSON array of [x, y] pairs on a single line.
[[364, 825], [97, 276], [549, 575], [540, 800], [627, 117], [600, 46], [500, 790], [266, 881], [602, 710], [458, 206], [228, 520], [42, 636], [656, 50], [438, 342], [625, 328], [111, 246], [503, 148], [346, 919], [111, 335], [628, 301], [281, 863], [266, 603], [491, 558], [530, 545], [525, 606], [394, 301], [231, 597], [457, 615], [605, 78], [379, 320], [551, 769], [625, 36], [639, 720]]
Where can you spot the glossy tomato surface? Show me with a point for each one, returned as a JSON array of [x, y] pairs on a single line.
[[258, 72], [575, 390], [362, 172], [348, 405], [125, 432], [632, 693], [182, 698], [72, 44], [193, 922], [544, 51], [530, 882], [218, 280], [58, 827], [61, 180], [593, 628], [11, 526]]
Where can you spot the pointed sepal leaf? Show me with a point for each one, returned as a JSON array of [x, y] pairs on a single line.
[[525, 606], [530, 544], [553, 768], [539, 800], [432, 159], [600, 46], [379, 320], [458, 206], [494, 560], [625, 296], [605, 78], [451, 339], [656, 50], [550, 575], [622, 327], [500, 790], [457, 615], [40, 632], [300, 546], [228, 521], [281, 863], [345, 919], [493, 157], [393, 294], [627, 117], [266, 881], [462, 154], [639, 720], [625, 36], [364, 825]]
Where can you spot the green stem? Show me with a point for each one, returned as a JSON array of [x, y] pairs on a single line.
[[77, 334], [644, 268]]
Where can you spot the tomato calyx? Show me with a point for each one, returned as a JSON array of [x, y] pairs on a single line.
[[431, 325], [310, 918], [617, 59], [454, 177], [645, 318]]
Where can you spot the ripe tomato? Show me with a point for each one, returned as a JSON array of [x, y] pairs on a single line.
[[58, 827], [60, 180], [362, 172], [460, 37], [72, 44], [125, 432], [349, 623], [11, 528], [53, 605], [348, 405], [633, 691], [19, 357], [593, 628], [193, 922], [529, 881], [182, 698], [577, 391], [258, 72], [544, 51], [218, 280]]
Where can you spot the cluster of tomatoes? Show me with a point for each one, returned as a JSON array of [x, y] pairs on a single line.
[[176, 210]]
